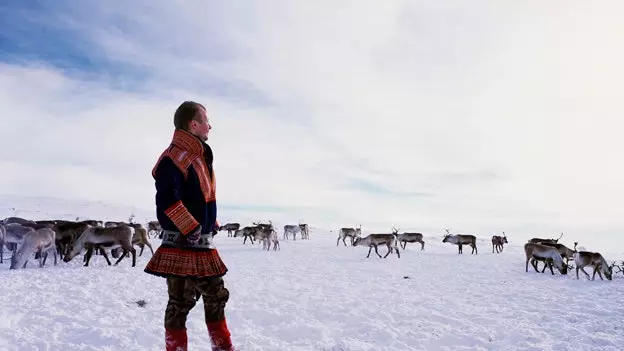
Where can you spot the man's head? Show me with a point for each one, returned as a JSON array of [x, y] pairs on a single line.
[[191, 117]]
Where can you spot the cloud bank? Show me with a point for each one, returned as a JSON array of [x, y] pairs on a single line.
[[480, 116]]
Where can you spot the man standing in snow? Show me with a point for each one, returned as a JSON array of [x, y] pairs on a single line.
[[186, 209]]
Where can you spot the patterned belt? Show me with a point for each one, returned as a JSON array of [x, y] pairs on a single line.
[[174, 238]]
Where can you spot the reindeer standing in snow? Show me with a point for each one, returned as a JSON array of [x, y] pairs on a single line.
[[460, 240], [538, 252], [498, 242], [583, 259], [111, 238], [405, 238], [292, 229], [374, 240], [351, 233], [39, 241]]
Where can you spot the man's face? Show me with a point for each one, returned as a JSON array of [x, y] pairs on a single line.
[[200, 125]]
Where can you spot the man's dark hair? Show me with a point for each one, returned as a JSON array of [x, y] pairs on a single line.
[[185, 113]]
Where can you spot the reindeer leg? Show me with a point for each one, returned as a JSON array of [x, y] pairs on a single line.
[[459, 248], [422, 245], [133, 257], [87, 256], [150, 247], [106, 256], [369, 251], [551, 269], [587, 274], [377, 252], [527, 265], [545, 265], [123, 254]]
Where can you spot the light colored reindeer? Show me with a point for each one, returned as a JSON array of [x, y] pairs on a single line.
[[538, 252], [268, 237], [564, 251], [351, 233], [498, 242], [460, 240], [111, 238], [292, 229], [14, 235], [39, 241], [374, 240], [583, 259]]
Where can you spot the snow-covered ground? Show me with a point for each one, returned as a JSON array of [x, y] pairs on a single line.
[[314, 295]]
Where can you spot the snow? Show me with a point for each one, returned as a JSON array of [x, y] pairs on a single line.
[[314, 295]]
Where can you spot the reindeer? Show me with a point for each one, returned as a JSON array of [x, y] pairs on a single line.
[[112, 237], [374, 240], [538, 252], [586, 258], [14, 235], [247, 233], [42, 241], [405, 238], [460, 240], [139, 238], [498, 241], [66, 235], [343, 233], [305, 231], [268, 237], [541, 241], [230, 227], [292, 229]]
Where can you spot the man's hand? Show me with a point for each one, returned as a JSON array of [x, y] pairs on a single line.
[[193, 237]]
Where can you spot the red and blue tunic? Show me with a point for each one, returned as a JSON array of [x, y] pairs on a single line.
[[185, 199]]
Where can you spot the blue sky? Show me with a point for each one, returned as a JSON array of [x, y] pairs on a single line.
[[478, 117]]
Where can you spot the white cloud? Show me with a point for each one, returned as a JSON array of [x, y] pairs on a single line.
[[505, 115]]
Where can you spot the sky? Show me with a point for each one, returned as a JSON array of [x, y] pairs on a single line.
[[480, 116]]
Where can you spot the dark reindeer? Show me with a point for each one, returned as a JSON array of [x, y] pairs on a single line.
[[498, 242]]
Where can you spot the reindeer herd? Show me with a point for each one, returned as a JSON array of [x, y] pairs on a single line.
[[548, 251], [266, 233], [67, 239]]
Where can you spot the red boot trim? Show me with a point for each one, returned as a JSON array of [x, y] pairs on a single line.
[[220, 335], [176, 340]]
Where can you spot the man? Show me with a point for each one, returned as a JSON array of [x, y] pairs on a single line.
[[187, 211]]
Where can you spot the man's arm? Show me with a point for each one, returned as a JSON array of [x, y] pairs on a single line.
[[168, 198]]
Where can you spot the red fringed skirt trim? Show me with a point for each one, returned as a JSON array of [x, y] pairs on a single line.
[[168, 262]]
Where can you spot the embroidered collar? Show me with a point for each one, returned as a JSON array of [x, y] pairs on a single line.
[[188, 142]]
